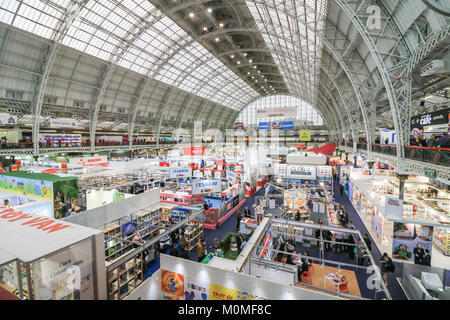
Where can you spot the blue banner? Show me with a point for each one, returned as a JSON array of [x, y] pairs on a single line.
[[285, 125]]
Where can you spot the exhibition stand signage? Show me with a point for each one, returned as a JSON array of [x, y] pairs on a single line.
[[180, 173], [194, 151], [394, 208], [301, 172], [407, 237], [206, 186], [90, 161], [324, 173]]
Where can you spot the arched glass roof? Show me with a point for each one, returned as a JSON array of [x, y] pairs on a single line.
[[154, 44], [305, 112]]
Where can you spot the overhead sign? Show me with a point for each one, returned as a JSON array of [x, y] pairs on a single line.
[[164, 164], [301, 172], [428, 119], [394, 208], [431, 173], [285, 125], [180, 173], [46, 225], [305, 135], [7, 119], [206, 186], [276, 113], [194, 151], [52, 170], [90, 161], [64, 123]]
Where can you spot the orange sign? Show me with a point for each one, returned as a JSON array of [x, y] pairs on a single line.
[[172, 285]]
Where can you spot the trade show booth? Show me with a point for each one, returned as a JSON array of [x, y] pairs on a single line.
[[46, 259]]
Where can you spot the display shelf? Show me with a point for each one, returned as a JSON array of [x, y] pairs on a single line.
[[441, 237], [192, 235], [125, 278]]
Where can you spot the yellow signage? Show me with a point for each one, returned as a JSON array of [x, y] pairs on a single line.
[[218, 292], [305, 135]]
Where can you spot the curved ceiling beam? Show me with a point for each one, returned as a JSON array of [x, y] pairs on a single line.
[[69, 16], [399, 96], [439, 8]]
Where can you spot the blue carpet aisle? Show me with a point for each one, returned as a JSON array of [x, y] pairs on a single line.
[[393, 285]]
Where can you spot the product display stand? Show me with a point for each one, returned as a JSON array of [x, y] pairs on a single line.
[[192, 235]]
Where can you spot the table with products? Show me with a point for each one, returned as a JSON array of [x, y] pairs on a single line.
[[337, 279]]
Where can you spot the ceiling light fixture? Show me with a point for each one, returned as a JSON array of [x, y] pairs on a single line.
[[238, 62], [221, 24], [250, 61], [191, 14], [217, 39], [209, 10], [205, 29]]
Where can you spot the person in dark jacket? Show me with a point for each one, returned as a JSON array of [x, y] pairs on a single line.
[[386, 266], [418, 254], [350, 248], [238, 219], [426, 260], [368, 242], [247, 212], [444, 141], [174, 251], [184, 253], [305, 265]]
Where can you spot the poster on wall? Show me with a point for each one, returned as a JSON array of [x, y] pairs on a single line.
[[27, 187], [408, 237], [206, 186], [195, 291], [67, 275], [394, 208], [180, 173], [301, 172], [324, 173], [377, 224], [172, 285], [218, 292]]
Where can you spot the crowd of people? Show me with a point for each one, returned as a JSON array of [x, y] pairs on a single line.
[[432, 141]]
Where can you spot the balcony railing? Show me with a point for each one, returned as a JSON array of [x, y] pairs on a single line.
[[438, 156]]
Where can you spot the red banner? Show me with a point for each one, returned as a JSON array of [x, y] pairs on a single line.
[[53, 170], [194, 151], [327, 149], [164, 164]]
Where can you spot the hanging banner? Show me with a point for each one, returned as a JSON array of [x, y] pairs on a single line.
[[285, 125], [301, 172], [180, 173], [276, 113], [304, 135], [64, 123], [7, 119], [394, 208], [206, 186]]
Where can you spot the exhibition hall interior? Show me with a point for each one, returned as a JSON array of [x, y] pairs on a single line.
[[224, 150]]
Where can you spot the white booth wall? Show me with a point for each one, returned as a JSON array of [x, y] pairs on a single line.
[[204, 275]]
